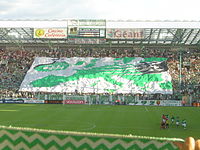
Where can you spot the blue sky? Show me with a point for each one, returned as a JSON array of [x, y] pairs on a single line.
[[100, 9]]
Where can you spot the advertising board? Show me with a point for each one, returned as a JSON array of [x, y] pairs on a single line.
[[86, 28], [21, 100], [86, 41], [124, 33], [50, 33], [86, 32], [13, 101], [171, 103], [53, 101], [74, 102], [34, 101], [157, 102]]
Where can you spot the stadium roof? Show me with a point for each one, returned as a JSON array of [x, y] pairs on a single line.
[[155, 32], [109, 24]]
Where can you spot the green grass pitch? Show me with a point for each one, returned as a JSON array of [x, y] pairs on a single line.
[[135, 120]]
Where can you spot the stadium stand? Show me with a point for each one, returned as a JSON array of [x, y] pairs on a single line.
[[15, 63], [16, 59], [21, 43]]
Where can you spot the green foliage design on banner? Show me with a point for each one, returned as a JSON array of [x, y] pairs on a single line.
[[99, 75]]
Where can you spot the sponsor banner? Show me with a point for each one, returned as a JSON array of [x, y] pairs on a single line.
[[171, 103], [74, 102], [86, 41], [157, 103], [124, 33], [53, 101], [34, 101], [91, 32], [13, 101], [146, 102], [86, 28], [21, 100], [87, 22], [50, 33], [86, 32]]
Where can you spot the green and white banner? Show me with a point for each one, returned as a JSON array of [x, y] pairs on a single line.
[[98, 75], [31, 138]]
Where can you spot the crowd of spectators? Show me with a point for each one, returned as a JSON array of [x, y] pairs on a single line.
[[14, 63]]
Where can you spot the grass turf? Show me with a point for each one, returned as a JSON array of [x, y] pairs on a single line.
[[135, 120]]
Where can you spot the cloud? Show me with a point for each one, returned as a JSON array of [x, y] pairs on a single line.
[[5, 6], [100, 9]]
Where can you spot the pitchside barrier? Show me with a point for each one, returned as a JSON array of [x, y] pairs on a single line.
[[39, 139], [94, 100]]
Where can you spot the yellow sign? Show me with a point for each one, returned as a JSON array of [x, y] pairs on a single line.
[[51, 33], [39, 32]]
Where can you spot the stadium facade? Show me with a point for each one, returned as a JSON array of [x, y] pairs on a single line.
[[109, 31]]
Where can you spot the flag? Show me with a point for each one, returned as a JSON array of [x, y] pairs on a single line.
[[98, 75]]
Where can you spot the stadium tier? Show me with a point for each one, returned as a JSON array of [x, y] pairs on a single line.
[[50, 60]]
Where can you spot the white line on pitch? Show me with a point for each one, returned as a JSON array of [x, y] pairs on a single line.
[[146, 108]]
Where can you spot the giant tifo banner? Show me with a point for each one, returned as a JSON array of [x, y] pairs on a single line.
[[98, 75], [50, 33]]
